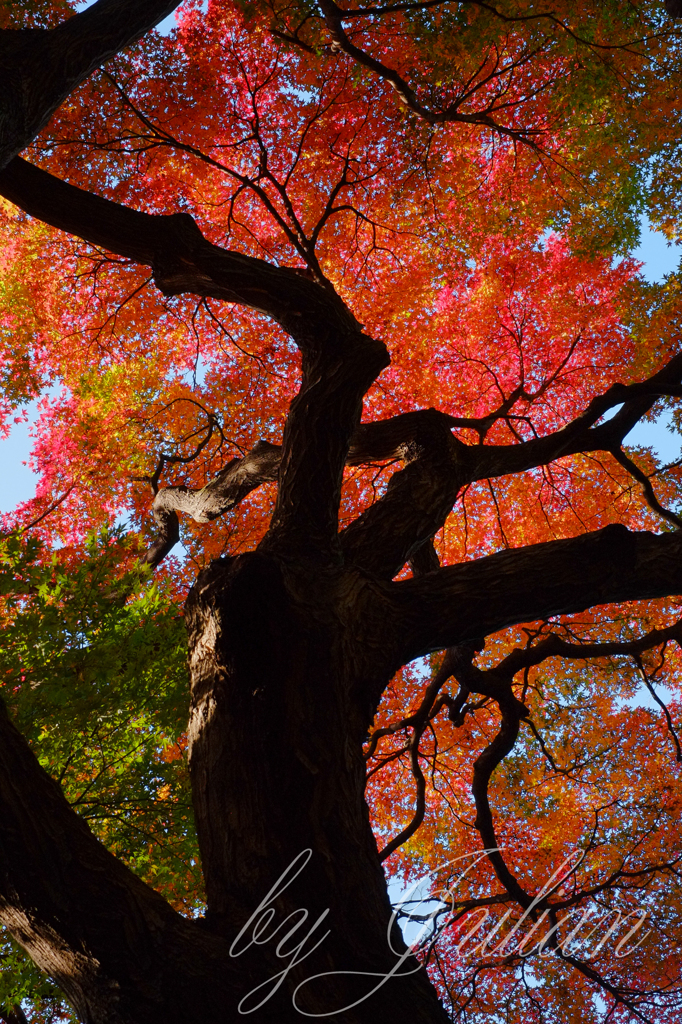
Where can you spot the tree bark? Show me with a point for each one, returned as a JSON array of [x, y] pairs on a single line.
[[13, 1015], [118, 951], [462, 602], [276, 731], [287, 662], [291, 648], [39, 68]]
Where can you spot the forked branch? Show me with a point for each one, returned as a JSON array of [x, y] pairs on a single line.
[[483, 79], [339, 361], [231, 485]]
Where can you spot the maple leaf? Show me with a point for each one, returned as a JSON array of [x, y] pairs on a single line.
[[342, 299]]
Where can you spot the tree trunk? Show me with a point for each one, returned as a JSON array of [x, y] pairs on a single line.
[[278, 777]]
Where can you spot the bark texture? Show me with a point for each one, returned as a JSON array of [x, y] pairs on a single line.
[[39, 68], [120, 953], [291, 645], [276, 730]]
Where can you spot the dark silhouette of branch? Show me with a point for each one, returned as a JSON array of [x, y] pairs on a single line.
[[480, 597], [334, 17], [649, 685], [13, 1015], [652, 501], [93, 925], [43, 515], [40, 67]]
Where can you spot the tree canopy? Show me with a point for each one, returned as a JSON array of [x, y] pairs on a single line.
[[337, 340]]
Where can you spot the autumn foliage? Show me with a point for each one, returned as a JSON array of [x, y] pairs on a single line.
[[476, 209]]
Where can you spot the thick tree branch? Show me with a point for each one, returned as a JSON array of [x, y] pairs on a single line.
[[87, 920], [424, 559], [580, 435], [461, 602], [39, 68], [339, 361], [232, 484], [409, 437], [13, 1015], [182, 260], [418, 498]]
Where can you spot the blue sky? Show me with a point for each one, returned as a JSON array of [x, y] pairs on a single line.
[[18, 482], [659, 258]]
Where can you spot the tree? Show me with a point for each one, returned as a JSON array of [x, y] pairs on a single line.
[[332, 201]]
